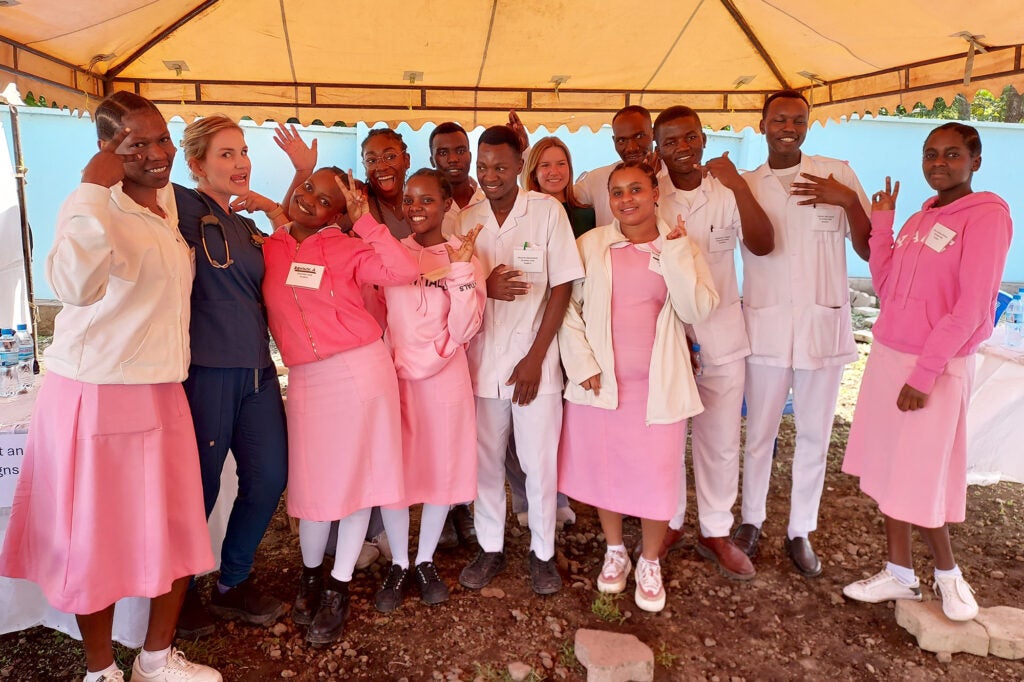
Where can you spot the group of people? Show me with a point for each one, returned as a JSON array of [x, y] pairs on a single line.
[[444, 334]]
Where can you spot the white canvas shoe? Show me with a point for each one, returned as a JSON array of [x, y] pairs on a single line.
[[883, 586], [957, 597], [177, 669], [615, 572], [650, 593]]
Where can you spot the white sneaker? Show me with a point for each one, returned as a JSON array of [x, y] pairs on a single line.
[[957, 597], [565, 516], [615, 571], [117, 676], [177, 669], [883, 586], [367, 555], [650, 594], [383, 545]]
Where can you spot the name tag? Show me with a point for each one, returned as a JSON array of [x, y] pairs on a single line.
[[722, 239], [939, 238], [305, 276], [654, 265], [528, 259], [826, 221]]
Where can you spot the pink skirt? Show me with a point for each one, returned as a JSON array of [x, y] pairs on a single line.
[[344, 434], [439, 435], [913, 464], [110, 502]]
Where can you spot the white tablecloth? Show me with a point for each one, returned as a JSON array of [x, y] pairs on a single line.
[[995, 419], [22, 604]]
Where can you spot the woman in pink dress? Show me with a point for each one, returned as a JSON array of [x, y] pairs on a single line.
[[429, 323], [937, 283], [344, 430], [110, 503], [631, 386]]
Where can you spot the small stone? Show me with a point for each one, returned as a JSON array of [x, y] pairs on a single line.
[[613, 657], [279, 629], [944, 657], [518, 615], [709, 642], [275, 654], [492, 593], [288, 673], [519, 671], [437, 675], [351, 653], [332, 667], [997, 575]]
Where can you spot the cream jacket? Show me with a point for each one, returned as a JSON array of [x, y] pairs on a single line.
[[585, 336]]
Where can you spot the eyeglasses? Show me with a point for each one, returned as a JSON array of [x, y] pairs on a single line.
[[387, 159], [212, 221]]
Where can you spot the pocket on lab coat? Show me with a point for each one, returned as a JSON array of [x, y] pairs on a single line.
[[770, 330]]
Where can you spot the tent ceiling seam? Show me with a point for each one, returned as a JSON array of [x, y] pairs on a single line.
[[671, 49], [291, 57], [822, 35], [93, 25], [748, 31], [483, 57], [196, 11]]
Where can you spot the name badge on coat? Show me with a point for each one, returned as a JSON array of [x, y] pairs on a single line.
[[528, 259], [305, 275], [826, 220], [722, 239], [939, 238]]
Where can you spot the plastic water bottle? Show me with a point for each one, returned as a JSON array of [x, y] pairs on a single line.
[[8, 363], [695, 349], [1014, 315], [26, 358]]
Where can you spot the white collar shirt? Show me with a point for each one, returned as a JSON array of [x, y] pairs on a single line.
[[509, 327], [796, 299], [450, 226]]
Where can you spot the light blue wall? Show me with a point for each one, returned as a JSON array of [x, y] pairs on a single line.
[[57, 146]]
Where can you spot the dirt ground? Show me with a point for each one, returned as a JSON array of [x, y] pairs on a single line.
[[781, 626]]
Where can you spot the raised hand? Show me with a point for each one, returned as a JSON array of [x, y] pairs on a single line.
[[679, 230], [885, 200], [355, 197], [302, 156], [106, 167], [502, 284], [653, 160], [465, 251], [722, 169], [253, 201], [823, 191], [519, 129]]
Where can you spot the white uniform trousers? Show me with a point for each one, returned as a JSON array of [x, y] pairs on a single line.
[[537, 428], [715, 447], [814, 404]]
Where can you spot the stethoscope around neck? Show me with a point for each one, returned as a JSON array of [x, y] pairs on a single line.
[[211, 220]]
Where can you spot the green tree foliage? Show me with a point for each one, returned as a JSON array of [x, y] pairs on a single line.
[[985, 107]]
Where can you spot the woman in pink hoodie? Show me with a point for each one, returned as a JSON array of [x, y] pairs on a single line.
[[937, 281], [344, 429], [430, 321]]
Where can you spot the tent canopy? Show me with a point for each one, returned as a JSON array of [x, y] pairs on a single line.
[[557, 62]]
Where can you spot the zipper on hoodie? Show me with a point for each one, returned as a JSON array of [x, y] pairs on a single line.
[[302, 313]]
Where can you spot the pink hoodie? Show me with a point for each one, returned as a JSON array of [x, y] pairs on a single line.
[[313, 324], [938, 304], [430, 322]]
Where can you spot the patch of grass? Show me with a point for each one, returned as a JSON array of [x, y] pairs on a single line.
[[567, 656], [665, 658], [489, 672], [606, 608]]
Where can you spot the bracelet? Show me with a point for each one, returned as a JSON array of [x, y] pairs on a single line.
[[276, 212]]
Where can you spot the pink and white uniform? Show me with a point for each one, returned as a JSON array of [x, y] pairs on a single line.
[[937, 294], [430, 322]]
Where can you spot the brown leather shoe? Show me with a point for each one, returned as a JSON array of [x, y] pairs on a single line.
[[671, 542], [803, 556], [730, 559], [746, 537]]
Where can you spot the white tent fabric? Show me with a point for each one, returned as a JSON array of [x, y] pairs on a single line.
[[557, 62]]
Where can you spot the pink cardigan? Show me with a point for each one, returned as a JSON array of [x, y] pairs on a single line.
[[939, 304], [313, 324]]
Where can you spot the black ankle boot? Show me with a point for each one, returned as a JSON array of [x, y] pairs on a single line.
[[329, 620], [311, 585]]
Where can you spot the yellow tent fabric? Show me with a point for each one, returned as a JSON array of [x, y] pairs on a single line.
[[557, 62]]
